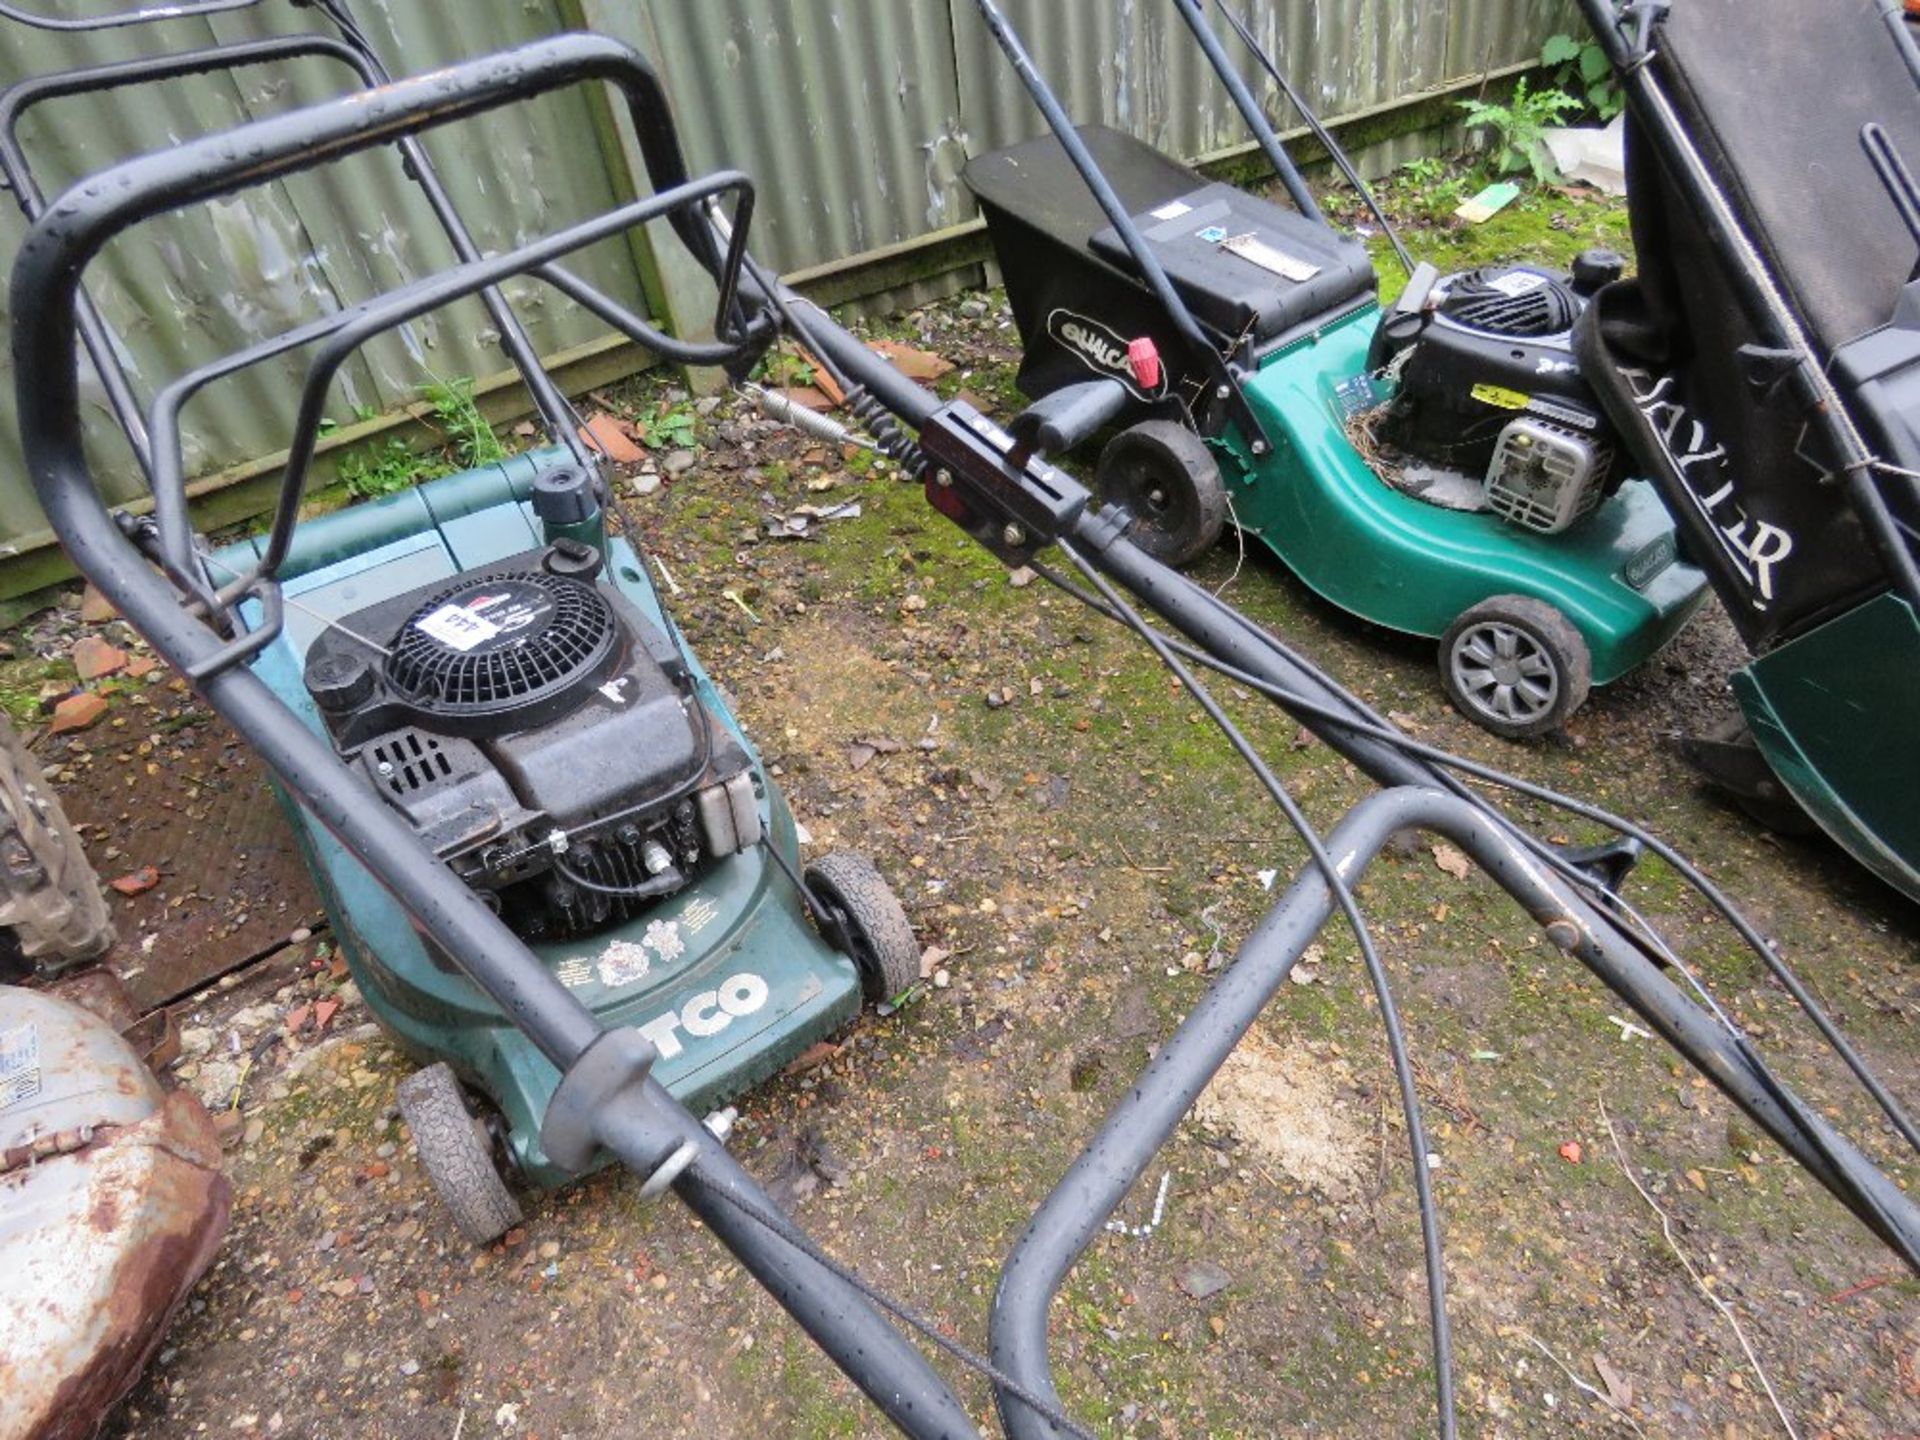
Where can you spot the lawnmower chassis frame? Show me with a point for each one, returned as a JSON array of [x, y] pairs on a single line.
[[608, 1097]]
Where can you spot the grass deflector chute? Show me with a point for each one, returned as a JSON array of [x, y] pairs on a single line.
[[228, 629]]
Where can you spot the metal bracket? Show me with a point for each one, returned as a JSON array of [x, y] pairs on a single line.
[[984, 480]]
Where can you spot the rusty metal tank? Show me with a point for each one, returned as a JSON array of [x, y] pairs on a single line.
[[112, 1204]]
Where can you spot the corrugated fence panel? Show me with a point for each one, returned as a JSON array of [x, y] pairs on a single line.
[[186, 288], [845, 112]]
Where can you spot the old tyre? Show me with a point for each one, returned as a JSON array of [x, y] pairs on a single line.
[[457, 1152], [878, 935], [1516, 666], [52, 914], [1166, 478]]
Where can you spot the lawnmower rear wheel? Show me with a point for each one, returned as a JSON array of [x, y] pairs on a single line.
[[1516, 666], [878, 934], [457, 1152], [1168, 481]]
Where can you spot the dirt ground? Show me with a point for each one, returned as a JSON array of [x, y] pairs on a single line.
[[1081, 850]]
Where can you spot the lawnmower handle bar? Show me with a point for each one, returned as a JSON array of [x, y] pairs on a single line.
[[20, 98], [1614, 955]]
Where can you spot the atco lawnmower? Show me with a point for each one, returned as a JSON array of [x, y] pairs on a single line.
[[499, 673], [395, 658], [1440, 468]]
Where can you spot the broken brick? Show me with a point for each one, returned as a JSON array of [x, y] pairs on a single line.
[[95, 657], [77, 712]]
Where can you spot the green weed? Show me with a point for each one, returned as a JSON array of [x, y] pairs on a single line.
[[1584, 64], [1514, 130]]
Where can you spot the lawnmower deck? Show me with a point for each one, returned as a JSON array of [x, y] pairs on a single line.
[[1852, 766], [727, 977], [1401, 562]]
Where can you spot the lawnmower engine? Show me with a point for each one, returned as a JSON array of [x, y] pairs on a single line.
[[1484, 387], [541, 735]]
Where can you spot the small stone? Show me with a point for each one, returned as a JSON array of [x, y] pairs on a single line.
[[409, 1367], [941, 979], [1203, 1279], [973, 309], [300, 936], [645, 483], [95, 608], [549, 1249], [256, 1129], [914, 602], [678, 462], [706, 405], [1021, 578]]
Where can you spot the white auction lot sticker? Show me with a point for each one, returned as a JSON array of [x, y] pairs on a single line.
[[457, 626]]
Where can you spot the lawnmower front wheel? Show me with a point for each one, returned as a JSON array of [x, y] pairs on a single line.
[[874, 928], [1515, 666], [1168, 481], [457, 1153]]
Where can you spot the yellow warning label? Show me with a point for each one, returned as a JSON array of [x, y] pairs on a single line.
[[1505, 399]]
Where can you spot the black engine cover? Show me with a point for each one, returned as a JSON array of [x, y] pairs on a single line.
[[1471, 352], [497, 709]]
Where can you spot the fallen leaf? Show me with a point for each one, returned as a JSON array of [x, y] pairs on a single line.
[[609, 435], [1619, 1390], [860, 755], [914, 363], [1303, 739], [812, 1058], [931, 959], [1571, 1152], [137, 882], [1451, 860], [1697, 1180]]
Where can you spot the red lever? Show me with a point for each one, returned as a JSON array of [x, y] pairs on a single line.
[[1143, 358]]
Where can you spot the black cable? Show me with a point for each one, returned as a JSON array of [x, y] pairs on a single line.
[[1375, 728], [1335, 151], [1376, 971], [1778, 968], [799, 1239], [648, 889]]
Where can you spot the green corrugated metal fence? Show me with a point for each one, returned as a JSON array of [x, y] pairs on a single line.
[[854, 116]]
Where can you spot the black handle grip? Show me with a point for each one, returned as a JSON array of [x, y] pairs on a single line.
[[1070, 416]]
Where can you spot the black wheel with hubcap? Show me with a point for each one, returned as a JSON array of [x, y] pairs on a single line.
[[1516, 666], [456, 1150], [874, 929], [1168, 481]]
